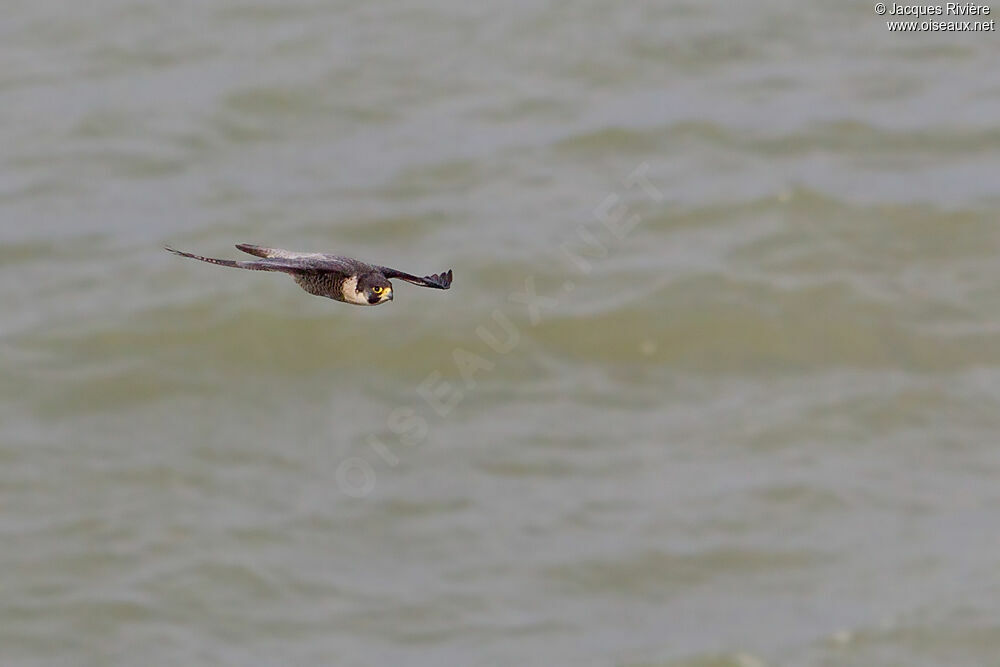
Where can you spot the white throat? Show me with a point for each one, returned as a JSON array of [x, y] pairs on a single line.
[[349, 290]]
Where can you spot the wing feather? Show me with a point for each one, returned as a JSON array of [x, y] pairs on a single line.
[[434, 281], [297, 265], [277, 253]]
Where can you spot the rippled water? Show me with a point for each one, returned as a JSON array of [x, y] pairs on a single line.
[[755, 426]]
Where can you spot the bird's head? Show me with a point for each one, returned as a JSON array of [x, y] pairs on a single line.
[[375, 287]]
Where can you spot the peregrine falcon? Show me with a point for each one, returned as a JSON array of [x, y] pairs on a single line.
[[339, 278]]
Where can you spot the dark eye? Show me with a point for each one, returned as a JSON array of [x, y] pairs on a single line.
[[377, 290]]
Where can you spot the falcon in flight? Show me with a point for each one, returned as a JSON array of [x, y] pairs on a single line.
[[339, 278]]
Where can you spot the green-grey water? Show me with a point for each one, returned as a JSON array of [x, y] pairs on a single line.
[[717, 383]]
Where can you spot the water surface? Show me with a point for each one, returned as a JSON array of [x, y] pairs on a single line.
[[758, 427]]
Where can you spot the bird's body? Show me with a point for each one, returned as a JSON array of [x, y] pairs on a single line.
[[330, 285], [340, 278]]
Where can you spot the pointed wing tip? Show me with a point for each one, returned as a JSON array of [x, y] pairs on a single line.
[[249, 248], [443, 280], [180, 253]]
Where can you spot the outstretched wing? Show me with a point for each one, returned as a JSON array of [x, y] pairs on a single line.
[[298, 265], [435, 281], [277, 253]]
